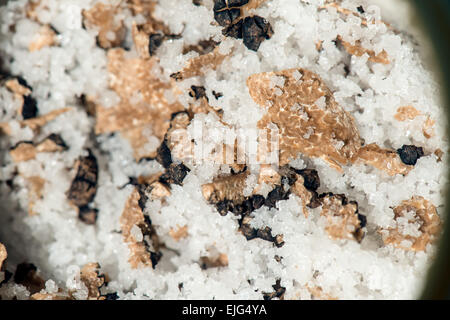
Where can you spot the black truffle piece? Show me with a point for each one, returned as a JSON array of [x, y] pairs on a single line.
[[409, 154], [198, 92], [311, 178], [111, 296], [29, 108], [362, 220], [88, 215], [164, 155], [227, 17], [257, 201], [156, 39], [175, 174], [24, 83], [254, 31], [217, 95], [237, 3], [360, 9], [275, 195], [155, 257], [219, 5], [84, 185], [234, 30], [278, 291], [58, 140]]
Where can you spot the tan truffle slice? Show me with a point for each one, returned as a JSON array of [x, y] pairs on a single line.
[[3, 255], [35, 188], [406, 113], [46, 37], [143, 102], [326, 132], [179, 233], [91, 277], [358, 50], [132, 216], [23, 152], [342, 218], [382, 159], [226, 188], [103, 18], [216, 262], [425, 214], [198, 65], [304, 194]]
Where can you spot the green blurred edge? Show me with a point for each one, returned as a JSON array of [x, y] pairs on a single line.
[[435, 17]]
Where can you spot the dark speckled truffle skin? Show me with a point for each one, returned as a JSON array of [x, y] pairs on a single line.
[[409, 154]]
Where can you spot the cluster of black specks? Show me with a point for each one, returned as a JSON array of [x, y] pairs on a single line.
[[253, 30], [409, 154], [277, 293], [84, 187]]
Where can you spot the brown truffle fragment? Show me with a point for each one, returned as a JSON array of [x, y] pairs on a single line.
[[303, 193], [317, 293], [84, 185], [91, 277], [26, 275], [226, 188], [428, 128], [3, 256], [214, 262], [198, 65], [23, 151], [46, 37], [35, 186], [34, 123], [406, 113], [344, 222], [179, 233], [102, 17], [382, 159], [142, 252], [419, 211], [323, 130], [52, 143], [50, 296], [143, 109]]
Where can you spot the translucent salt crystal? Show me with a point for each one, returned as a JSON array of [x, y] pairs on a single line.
[[136, 233]]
